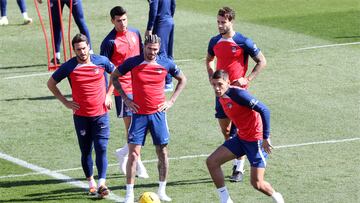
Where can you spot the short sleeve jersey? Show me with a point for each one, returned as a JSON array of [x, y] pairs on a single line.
[[118, 46], [148, 81], [87, 83], [250, 116], [232, 54]]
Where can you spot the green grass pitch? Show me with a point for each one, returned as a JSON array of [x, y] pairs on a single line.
[[313, 95]]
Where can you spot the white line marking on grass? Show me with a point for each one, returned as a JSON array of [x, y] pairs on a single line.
[[25, 76], [189, 156], [325, 46], [53, 174]]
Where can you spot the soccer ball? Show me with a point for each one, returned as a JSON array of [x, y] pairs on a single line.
[[149, 197]]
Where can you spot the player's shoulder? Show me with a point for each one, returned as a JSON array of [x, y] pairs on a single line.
[[165, 61], [132, 29], [215, 38], [98, 59], [240, 38]]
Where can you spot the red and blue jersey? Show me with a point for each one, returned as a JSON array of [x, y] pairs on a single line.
[[232, 54], [148, 81], [119, 46], [87, 83], [250, 116]]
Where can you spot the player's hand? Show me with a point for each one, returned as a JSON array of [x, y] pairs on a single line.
[[131, 104], [267, 145], [148, 32], [72, 105], [243, 82], [108, 102], [165, 106]]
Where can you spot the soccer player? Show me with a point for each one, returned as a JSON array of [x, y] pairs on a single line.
[[121, 43], [161, 23], [149, 105], [232, 50], [89, 104], [78, 15], [22, 5], [252, 118]]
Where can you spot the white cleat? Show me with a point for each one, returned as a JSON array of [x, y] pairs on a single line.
[[141, 171], [27, 21], [164, 197], [278, 198], [122, 157], [4, 21], [129, 198]]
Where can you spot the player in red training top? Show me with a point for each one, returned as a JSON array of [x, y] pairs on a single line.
[[89, 104], [121, 43], [252, 118], [232, 51], [149, 106]]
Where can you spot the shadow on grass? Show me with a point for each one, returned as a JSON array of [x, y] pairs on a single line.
[[347, 37], [35, 98], [74, 193], [169, 184], [23, 66]]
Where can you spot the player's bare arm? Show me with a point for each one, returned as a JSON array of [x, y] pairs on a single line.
[[260, 64], [108, 100], [115, 81], [179, 87], [57, 93], [209, 62], [267, 145]]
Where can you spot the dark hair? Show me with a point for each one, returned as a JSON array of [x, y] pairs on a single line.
[[220, 74], [117, 11], [152, 39], [227, 13], [79, 38]]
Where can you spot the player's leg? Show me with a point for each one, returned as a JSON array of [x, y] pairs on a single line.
[[83, 132], [77, 12], [160, 134], [226, 152], [101, 133], [56, 20], [3, 19], [22, 6], [257, 158], [137, 132]]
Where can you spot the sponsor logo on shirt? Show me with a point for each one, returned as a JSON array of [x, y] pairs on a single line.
[[159, 70], [229, 105], [82, 132], [233, 49], [253, 103], [96, 70]]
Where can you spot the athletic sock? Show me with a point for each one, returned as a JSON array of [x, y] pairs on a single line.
[[162, 186], [25, 15], [92, 183], [102, 181], [129, 189], [240, 165], [223, 194], [277, 197], [57, 55]]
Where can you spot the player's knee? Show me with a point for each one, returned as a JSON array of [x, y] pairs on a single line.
[[258, 185], [211, 162]]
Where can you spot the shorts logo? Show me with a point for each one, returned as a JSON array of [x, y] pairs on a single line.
[[229, 105], [82, 132]]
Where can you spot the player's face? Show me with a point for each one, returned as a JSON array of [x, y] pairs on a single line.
[[150, 51], [82, 51], [220, 86], [224, 25], [120, 23]]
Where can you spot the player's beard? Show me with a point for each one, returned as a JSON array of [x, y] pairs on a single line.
[[82, 58], [224, 31]]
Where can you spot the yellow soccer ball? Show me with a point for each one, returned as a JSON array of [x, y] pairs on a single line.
[[149, 197]]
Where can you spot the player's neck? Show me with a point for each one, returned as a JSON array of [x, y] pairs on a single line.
[[229, 34]]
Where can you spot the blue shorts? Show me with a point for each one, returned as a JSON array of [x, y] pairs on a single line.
[[121, 109], [141, 124], [219, 111], [253, 150]]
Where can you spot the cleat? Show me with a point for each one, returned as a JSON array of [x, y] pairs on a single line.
[[4, 21], [164, 197], [122, 157], [53, 61], [27, 21], [141, 170], [129, 198], [237, 176], [103, 191], [169, 87], [92, 191]]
